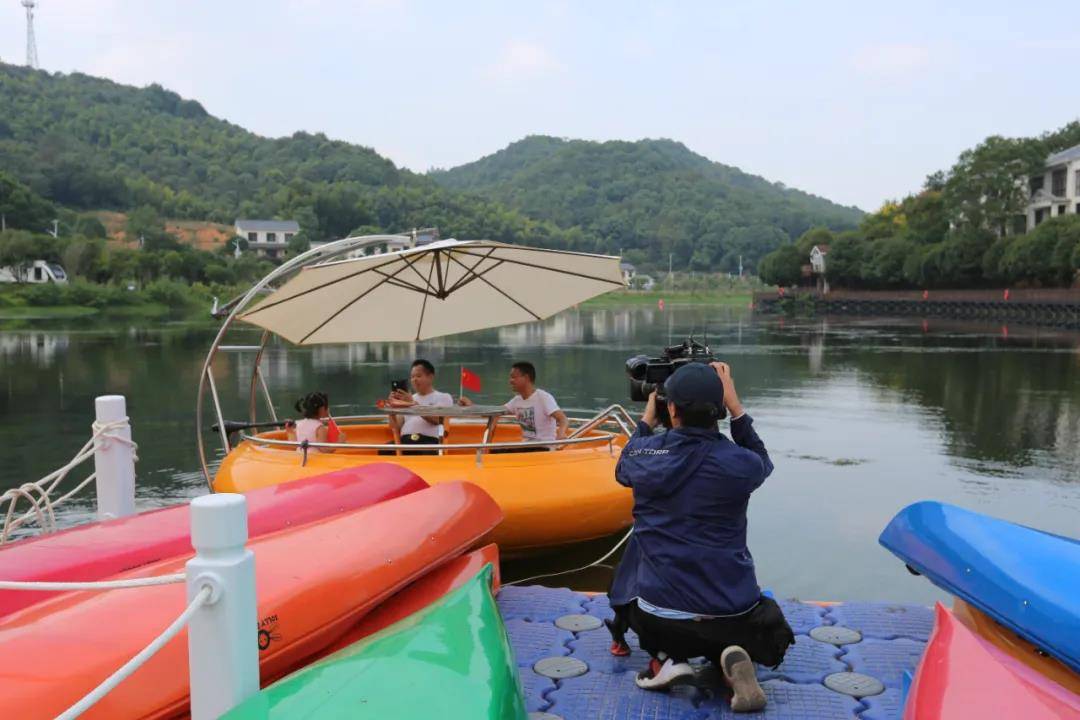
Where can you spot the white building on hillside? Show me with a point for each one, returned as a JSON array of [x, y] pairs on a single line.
[[268, 238], [1057, 190]]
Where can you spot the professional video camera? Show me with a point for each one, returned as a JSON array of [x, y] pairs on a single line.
[[649, 373]]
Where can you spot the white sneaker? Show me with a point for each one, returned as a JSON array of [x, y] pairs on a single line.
[[739, 672], [663, 673]]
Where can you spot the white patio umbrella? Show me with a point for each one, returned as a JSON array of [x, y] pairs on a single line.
[[443, 288]]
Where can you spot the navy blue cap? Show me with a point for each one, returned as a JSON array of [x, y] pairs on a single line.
[[694, 381]]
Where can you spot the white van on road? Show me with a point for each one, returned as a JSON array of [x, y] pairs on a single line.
[[40, 272]]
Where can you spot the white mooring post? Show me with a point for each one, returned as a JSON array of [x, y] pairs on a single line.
[[223, 643], [114, 461]]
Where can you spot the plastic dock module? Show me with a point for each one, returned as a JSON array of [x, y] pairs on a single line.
[[892, 638]]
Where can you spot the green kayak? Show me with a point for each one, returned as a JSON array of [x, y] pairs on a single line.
[[450, 660]]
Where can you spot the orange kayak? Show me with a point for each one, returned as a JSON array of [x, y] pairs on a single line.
[[314, 583], [102, 549], [422, 593]]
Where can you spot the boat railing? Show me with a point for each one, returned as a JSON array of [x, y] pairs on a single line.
[[599, 438], [587, 431], [616, 414]]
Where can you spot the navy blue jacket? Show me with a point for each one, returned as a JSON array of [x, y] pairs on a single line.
[[691, 488]]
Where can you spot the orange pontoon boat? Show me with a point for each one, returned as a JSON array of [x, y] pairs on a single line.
[[550, 499]]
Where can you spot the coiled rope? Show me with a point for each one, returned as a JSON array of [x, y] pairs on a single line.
[[39, 493]]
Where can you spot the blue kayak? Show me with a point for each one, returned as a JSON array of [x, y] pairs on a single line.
[[1025, 579]]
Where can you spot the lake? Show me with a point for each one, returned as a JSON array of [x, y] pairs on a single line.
[[861, 416]]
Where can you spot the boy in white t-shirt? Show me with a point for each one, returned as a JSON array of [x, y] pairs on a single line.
[[535, 409], [414, 429]]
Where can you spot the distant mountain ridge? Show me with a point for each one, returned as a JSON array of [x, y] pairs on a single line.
[[651, 197], [88, 143]]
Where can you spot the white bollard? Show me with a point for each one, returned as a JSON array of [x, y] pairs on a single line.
[[223, 643], [114, 461]]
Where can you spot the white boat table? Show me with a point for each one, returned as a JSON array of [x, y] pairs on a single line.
[[447, 412]]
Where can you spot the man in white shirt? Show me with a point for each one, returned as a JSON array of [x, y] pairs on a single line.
[[416, 429], [536, 410]]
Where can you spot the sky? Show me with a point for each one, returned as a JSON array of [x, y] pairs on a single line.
[[856, 102]]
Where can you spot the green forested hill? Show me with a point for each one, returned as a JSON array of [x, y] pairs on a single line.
[[648, 198], [89, 143]]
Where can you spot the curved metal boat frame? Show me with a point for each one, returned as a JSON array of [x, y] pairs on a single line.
[[615, 414]]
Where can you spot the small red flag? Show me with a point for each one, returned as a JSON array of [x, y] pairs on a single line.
[[333, 432], [469, 380]]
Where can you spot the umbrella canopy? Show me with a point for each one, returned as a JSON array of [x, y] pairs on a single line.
[[443, 288]]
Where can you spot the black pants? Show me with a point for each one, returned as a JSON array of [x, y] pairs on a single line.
[[763, 632], [415, 439]]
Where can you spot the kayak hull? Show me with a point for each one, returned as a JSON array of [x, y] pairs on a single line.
[[451, 660], [962, 676], [422, 593], [1024, 579], [313, 583], [550, 499], [103, 549]]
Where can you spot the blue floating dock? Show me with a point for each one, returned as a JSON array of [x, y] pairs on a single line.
[[893, 639]]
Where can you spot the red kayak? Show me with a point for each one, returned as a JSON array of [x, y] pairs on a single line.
[[103, 549], [964, 677]]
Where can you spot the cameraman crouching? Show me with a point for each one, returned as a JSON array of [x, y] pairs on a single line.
[[686, 584]]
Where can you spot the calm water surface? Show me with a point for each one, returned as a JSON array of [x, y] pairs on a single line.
[[861, 416]]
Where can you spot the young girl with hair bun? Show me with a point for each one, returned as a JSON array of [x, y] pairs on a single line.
[[315, 424]]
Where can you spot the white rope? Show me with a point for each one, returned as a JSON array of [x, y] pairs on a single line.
[[39, 493], [99, 585], [594, 563], [139, 660]]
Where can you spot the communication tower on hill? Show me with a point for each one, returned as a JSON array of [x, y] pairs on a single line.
[[31, 44]]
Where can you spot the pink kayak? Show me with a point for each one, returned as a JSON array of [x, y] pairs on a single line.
[[103, 549], [963, 677]]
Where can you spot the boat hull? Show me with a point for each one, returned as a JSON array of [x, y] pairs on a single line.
[[313, 583], [103, 549], [962, 676], [422, 593], [549, 498], [1025, 579], [451, 660]]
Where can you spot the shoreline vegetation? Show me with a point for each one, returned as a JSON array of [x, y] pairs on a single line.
[[732, 297], [178, 301], [160, 299]]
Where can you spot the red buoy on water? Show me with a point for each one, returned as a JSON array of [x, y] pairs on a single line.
[[1006, 293]]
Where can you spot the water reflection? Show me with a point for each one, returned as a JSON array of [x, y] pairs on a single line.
[[40, 347], [862, 416]]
